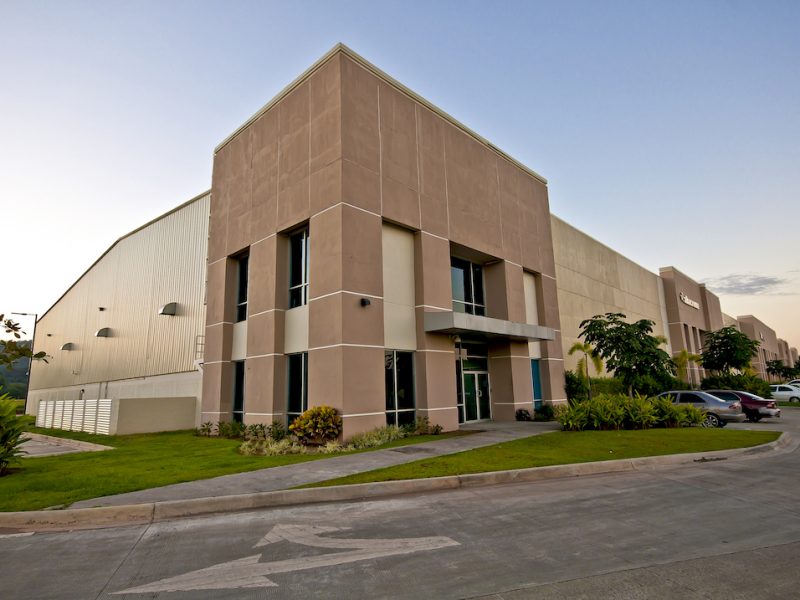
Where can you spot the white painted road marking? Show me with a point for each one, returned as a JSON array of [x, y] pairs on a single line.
[[248, 572], [14, 535]]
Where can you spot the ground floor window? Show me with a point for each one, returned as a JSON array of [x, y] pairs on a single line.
[[400, 404], [238, 391], [536, 379], [296, 386]]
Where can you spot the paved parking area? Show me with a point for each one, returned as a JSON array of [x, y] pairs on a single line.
[[48, 445]]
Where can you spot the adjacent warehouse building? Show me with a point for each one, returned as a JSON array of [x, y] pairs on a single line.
[[359, 248], [129, 333]]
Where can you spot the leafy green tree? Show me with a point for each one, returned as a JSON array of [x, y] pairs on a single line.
[[13, 350], [12, 426], [589, 355], [776, 368], [17, 390], [630, 350], [727, 349]]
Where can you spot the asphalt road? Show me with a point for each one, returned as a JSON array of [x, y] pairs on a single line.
[[723, 529]]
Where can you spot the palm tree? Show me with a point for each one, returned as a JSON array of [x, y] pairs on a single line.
[[589, 354], [682, 360]]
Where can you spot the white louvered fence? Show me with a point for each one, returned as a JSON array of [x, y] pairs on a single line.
[[91, 416]]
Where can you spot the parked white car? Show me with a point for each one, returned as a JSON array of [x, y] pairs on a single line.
[[785, 392]]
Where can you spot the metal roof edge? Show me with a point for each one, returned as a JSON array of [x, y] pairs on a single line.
[[118, 240]]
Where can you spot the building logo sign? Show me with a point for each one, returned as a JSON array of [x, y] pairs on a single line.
[[686, 300]]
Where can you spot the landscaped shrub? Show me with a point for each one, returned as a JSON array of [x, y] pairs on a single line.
[[608, 385], [271, 447], [742, 383], [618, 411], [575, 387], [607, 412], [317, 425], [544, 412], [640, 413], [12, 426], [377, 437], [667, 413], [523, 415], [689, 415], [422, 426]]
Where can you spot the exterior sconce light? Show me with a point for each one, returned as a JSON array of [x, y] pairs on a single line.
[[68, 346], [365, 302], [171, 309], [104, 332]]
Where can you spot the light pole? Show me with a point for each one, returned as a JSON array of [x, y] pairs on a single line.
[[30, 358]]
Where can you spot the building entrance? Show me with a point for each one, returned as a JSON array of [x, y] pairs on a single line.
[[472, 383]]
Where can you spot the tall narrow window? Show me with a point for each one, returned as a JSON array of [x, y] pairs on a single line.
[[241, 287], [298, 269], [399, 388], [536, 379], [297, 386], [238, 391], [467, 282]]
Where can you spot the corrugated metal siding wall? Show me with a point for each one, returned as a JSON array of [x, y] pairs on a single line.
[[164, 262]]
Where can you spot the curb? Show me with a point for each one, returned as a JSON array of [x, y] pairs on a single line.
[[152, 512]]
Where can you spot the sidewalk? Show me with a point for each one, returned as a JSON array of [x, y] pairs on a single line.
[[289, 476]]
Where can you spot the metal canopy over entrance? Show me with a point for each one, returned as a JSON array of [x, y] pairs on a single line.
[[457, 323]]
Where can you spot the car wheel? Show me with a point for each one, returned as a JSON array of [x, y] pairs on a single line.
[[794, 399], [711, 420], [754, 417]]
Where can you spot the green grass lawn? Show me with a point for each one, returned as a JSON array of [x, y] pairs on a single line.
[[789, 404], [563, 448], [137, 462]]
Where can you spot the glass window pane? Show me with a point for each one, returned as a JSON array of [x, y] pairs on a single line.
[[238, 391], [296, 259], [295, 384], [477, 284], [390, 400], [391, 418], [241, 295], [404, 369], [406, 417], [459, 282], [295, 297]]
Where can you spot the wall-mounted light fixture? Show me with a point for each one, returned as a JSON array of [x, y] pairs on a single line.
[[365, 302], [170, 308], [104, 332], [101, 308], [68, 346]]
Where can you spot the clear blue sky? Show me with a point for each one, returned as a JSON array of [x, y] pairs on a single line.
[[669, 131]]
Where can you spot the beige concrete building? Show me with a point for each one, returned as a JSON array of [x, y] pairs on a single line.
[[793, 355], [692, 311], [130, 329], [369, 252], [362, 249], [593, 279], [784, 354], [757, 330]]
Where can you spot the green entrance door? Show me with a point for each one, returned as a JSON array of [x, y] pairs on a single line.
[[477, 406]]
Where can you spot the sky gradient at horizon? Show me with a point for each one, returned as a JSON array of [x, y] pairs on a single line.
[[669, 132]]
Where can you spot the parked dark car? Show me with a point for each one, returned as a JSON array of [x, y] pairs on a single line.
[[718, 412], [754, 407]]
